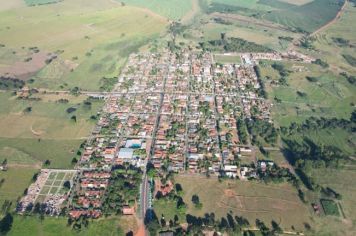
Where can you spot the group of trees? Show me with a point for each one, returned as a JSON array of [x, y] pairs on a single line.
[[123, 188], [6, 224], [233, 45], [9, 83], [261, 128]]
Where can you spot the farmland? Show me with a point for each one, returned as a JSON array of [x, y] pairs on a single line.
[[248, 199]]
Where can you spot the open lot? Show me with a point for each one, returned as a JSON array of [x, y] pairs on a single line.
[[249, 199]]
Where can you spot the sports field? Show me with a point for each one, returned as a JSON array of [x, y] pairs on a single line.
[[248, 199]]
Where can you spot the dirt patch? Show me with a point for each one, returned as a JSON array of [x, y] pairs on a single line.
[[26, 68], [229, 193]]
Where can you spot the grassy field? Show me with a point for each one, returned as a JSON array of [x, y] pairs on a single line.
[[342, 181], [173, 9], [17, 179], [58, 226], [59, 152], [326, 46], [294, 107], [40, 2], [92, 39], [48, 119], [306, 16], [227, 59], [249, 199]]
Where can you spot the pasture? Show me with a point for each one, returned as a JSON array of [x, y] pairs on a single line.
[[342, 181], [173, 9], [91, 39], [248, 199], [331, 51], [294, 107], [32, 226], [301, 15], [48, 119], [16, 179], [40, 2]]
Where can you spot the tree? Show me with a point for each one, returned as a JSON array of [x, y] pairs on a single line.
[[67, 184], [178, 188], [27, 109], [47, 162], [74, 118], [6, 224]]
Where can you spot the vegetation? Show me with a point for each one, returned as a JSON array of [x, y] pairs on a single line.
[[234, 45], [350, 59], [330, 207]]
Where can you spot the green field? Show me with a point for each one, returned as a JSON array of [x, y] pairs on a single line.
[[294, 107], [17, 179], [235, 59], [305, 17], [328, 49], [251, 200], [48, 118], [92, 39], [173, 9], [59, 152], [51, 226], [40, 2], [341, 181]]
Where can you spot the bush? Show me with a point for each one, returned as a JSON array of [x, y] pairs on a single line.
[[350, 59]]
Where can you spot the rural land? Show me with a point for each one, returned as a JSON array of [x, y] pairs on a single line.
[[177, 117]]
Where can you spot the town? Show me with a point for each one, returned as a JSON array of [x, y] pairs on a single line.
[[174, 113]]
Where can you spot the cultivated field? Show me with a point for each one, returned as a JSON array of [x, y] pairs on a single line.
[[249, 199]]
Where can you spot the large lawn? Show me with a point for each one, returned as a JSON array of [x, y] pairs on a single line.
[[249, 199]]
